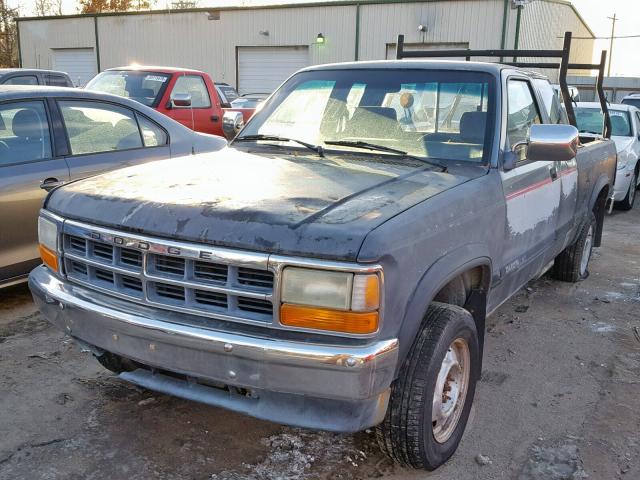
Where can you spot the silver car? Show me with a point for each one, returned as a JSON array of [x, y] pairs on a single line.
[[50, 136]]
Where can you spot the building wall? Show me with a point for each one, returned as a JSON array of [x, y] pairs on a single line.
[[477, 22], [543, 25], [615, 88], [192, 39], [39, 38]]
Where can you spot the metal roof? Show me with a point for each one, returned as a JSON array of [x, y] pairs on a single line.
[[321, 3]]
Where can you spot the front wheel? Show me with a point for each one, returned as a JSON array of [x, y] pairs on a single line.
[[431, 400]]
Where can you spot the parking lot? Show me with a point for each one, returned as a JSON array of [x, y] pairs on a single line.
[[558, 399]]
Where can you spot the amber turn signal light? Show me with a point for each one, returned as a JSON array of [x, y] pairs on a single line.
[[49, 258], [325, 319]]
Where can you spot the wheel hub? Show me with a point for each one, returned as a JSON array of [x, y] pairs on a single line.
[[451, 390]]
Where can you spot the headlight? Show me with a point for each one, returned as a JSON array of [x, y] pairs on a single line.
[[327, 300], [48, 240]]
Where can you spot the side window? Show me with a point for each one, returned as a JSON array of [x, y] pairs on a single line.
[[95, 127], [193, 85], [24, 133], [153, 134], [22, 80], [522, 113], [638, 123], [56, 80], [551, 101]]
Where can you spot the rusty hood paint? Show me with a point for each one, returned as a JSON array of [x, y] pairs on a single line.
[[285, 204]]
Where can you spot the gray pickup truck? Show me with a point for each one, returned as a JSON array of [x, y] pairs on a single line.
[[333, 267]]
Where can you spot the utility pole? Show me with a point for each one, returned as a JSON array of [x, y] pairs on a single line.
[[613, 31]]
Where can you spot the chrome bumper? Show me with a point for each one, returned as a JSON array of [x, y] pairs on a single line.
[[332, 387]]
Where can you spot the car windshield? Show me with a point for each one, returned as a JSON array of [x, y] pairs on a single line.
[[632, 101], [590, 120], [444, 114], [144, 87]]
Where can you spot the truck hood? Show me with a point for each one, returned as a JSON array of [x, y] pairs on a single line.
[[284, 204]]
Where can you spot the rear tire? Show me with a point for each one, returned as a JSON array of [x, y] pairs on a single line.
[[431, 399], [572, 263], [627, 202]]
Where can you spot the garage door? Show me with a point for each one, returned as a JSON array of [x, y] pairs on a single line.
[[391, 48], [79, 63], [263, 69]]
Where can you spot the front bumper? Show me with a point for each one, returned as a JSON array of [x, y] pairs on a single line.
[[331, 387]]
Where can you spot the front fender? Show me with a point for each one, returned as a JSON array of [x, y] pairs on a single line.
[[435, 277]]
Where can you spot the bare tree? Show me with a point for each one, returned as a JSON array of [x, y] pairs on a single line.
[[182, 4], [97, 6], [45, 7], [8, 37]]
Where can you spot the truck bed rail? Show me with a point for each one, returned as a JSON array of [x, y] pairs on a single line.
[[563, 65]]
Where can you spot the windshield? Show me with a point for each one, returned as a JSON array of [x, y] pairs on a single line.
[[632, 101], [427, 113], [591, 120], [144, 87]]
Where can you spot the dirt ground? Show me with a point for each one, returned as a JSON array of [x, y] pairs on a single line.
[[559, 399]]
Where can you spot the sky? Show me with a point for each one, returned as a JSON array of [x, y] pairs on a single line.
[[626, 51]]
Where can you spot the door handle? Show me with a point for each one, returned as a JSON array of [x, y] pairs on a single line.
[[553, 171], [49, 184], [215, 118]]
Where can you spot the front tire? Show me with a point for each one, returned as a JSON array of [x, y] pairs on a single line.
[[431, 399], [572, 263]]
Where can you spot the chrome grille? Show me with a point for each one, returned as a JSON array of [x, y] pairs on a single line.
[[159, 273]]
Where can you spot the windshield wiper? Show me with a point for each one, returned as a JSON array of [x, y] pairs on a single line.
[[382, 148], [274, 138]]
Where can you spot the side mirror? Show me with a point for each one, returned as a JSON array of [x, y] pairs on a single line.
[[552, 143], [181, 100], [232, 123]]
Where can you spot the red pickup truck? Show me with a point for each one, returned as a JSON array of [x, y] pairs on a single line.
[[188, 96]]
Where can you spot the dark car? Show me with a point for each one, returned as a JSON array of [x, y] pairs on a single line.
[[50, 136], [32, 76]]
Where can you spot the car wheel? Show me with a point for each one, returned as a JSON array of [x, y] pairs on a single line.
[[431, 399], [572, 264], [627, 203]]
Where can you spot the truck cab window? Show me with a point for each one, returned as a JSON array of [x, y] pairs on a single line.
[[551, 101], [22, 80], [24, 133], [193, 85], [522, 113]]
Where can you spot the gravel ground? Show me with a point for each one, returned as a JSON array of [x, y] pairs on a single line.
[[559, 399]]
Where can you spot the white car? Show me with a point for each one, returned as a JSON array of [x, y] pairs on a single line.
[[625, 125], [633, 99]]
